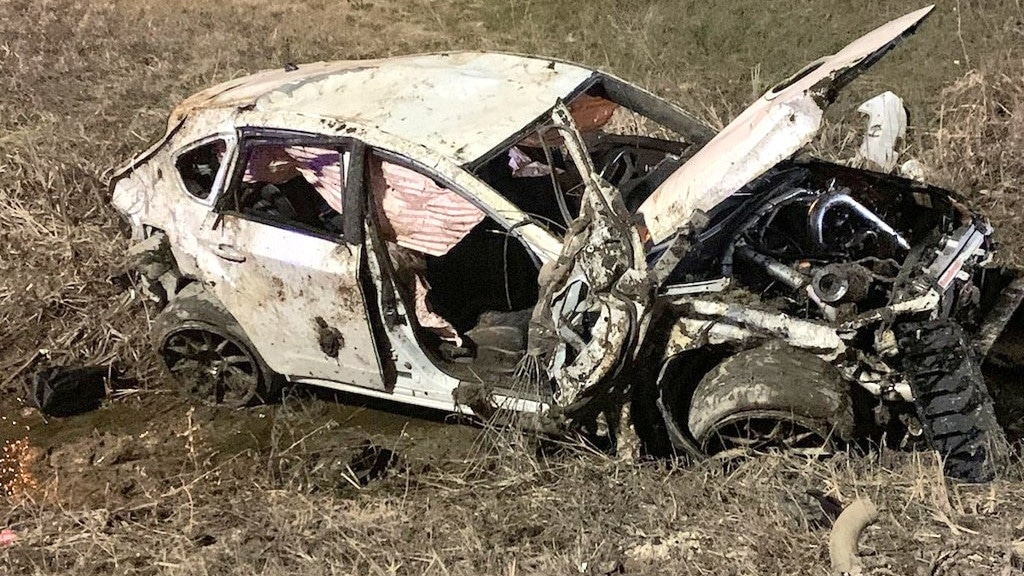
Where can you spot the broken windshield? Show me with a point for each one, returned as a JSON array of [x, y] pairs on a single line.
[[632, 147]]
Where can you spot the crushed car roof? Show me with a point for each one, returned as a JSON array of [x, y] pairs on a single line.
[[461, 104]]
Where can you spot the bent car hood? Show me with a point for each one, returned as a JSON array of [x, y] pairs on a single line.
[[772, 129]]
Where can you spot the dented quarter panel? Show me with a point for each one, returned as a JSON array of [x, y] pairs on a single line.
[[153, 195]]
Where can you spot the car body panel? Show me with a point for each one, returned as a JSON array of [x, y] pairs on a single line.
[[461, 104], [301, 306], [772, 129]]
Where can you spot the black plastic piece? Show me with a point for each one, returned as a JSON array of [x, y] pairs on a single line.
[[69, 391]]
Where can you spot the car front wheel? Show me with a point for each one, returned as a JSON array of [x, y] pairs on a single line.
[[771, 398]]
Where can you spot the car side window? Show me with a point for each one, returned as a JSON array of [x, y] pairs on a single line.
[[199, 166], [292, 185]]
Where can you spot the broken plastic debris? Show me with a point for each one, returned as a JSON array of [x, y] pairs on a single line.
[[887, 126], [912, 169], [843, 541], [69, 391], [372, 462]]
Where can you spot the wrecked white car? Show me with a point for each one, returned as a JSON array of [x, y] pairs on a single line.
[[500, 234]]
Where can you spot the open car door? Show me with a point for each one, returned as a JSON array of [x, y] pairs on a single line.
[[596, 296]]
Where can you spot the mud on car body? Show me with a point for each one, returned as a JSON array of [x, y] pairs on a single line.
[[519, 236]]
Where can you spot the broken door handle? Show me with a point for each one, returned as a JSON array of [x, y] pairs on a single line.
[[229, 253]]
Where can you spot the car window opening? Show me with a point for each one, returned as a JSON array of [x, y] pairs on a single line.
[[199, 166], [470, 285], [294, 185]]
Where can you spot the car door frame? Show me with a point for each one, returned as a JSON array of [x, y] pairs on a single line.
[[352, 236], [423, 369]]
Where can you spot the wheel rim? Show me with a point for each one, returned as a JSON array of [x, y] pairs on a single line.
[[215, 367], [765, 432]]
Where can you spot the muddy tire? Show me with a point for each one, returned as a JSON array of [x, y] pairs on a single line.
[[951, 399], [773, 397], [207, 352]]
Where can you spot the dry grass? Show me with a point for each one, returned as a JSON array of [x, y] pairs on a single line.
[[148, 486], [262, 512], [118, 504]]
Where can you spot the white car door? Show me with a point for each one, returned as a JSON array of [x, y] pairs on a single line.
[[275, 249]]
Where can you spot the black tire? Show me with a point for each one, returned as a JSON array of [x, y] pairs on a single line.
[[774, 397], [951, 399], [208, 353]]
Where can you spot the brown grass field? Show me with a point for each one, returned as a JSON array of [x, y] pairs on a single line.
[[151, 485]]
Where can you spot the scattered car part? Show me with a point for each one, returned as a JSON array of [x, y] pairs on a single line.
[[372, 462], [58, 391], [886, 126], [844, 539], [829, 507]]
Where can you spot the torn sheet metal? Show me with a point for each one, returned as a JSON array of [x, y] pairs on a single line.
[[595, 299], [886, 128], [772, 129]]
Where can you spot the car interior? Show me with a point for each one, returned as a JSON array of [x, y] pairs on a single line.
[[479, 291], [628, 149], [288, 185]]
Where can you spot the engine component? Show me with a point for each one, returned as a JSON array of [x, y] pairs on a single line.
[[843, 282], [787, 275], [772, 267], [841, 197]]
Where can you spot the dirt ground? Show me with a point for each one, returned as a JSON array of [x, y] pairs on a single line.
[[319, 484]]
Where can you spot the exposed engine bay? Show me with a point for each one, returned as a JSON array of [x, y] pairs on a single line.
[[824, 242], [847, 265]]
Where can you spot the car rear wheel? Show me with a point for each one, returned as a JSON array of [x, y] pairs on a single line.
[[207, 352], [771, 398]]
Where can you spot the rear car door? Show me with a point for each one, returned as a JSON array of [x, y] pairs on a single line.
[[284, 252]]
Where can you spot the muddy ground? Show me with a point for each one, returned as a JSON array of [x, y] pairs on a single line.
[[151, 484]]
